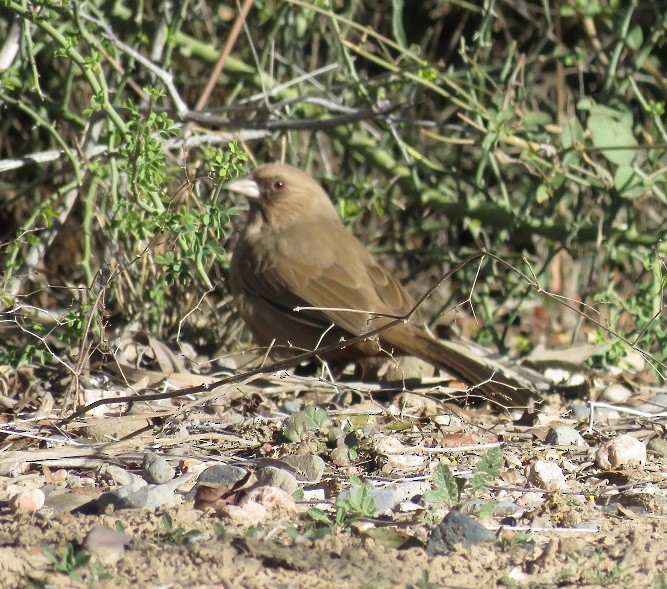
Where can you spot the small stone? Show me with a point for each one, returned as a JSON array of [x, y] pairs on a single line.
[[308, 468], [156, 470], [27, 500], [113, 429], [250, 514], [270, 476], [340, 456], [384, 498], [117, 475], [457, 528], [657, 445], [292, 407], [580, 411], [656, 404], [546, 475], [272, 498], [102, 538], [66, 502], [621, 452], [222, 474], [146, 496], [564, 435], [404, 368], [616, 393]]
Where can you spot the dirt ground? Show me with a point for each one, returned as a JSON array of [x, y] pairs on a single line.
[[625, 553], [603, 528]]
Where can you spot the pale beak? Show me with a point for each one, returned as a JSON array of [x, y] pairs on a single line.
[[245, 186]]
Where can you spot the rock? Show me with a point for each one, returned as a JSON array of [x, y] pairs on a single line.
[[657, 445], [616, 393], [621, 452], [156, 470], [656, 404], [292, 407], [457, 528], [250, 514], [340, 456], [112, 429], [222, 474], [27, 500], [404, 368], [66, 502], [106, 544], [219, 474], [146, 496], [580, 411], [270, 498], [270, 476], [546, 475], [385, 498], [308, 468], [564, 435], [117, 475]]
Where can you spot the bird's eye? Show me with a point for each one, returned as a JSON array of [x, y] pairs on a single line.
[[278, 185]]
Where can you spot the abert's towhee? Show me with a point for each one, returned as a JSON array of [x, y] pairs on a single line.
[[295, 252]]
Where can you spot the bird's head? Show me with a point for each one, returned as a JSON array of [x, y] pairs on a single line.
[[281, 194]]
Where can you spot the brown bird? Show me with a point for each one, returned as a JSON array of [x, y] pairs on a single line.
[[295, 252]]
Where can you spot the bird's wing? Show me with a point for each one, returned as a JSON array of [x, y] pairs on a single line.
[[337, 274]]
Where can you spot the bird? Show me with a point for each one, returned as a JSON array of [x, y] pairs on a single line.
[[301, 281]]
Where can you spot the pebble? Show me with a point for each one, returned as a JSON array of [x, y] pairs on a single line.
[[117, 475], [66, 502], [657, 445], [146, 496], [271, 498], [270, 476], [656, 404], [27, 500], [340, 456], [457, 528], [222, 474], [580, 411], [564, 435], [621, 452], [546, 475], [309, 468], [616, 393], [156, 470], [385, 498], [101, 539]]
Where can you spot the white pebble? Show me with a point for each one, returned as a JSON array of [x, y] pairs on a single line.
[[546, 475], [616, 393], [622, 451], [27, 500]]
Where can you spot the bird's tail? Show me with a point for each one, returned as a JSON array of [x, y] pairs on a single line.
[[488, 378]]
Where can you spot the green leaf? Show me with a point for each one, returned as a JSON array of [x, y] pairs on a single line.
[[628, 183], [388, 537], [572, 133], [635, 37], [536, 120], [541, 194], [445, 491], [612, 128], [397, 22]]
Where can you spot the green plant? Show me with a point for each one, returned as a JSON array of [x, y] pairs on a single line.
[[73, 562], [448, 489], [173, 535], [311, 420], [637, 320], [359, 505]]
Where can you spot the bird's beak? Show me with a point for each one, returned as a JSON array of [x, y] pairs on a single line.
[[245, 186]]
